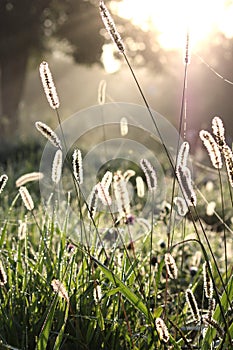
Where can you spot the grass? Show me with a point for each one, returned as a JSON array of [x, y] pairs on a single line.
[[114, 289]]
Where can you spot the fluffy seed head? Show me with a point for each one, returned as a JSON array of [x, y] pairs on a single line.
[[211, 307], [107, 179], [184, 178], [47, 132], [162, 330], [150, 174], [3, 181], [104, 194], [212, 148], [102, 92], [208, 283], [3, 277], [181, 206], [228, 156], [110, 26], [121, 195], [140, 187], [211, 322], [210, 208], [78, 166], [48, 85], [183, 154], [92, 202], [57, 167], [192, 304], [97, 293], [171, 267], [124, 126], [22, 229], [59, 288], [26, 198], [218, 131], [22, 180], [128, 174], [187, 56]]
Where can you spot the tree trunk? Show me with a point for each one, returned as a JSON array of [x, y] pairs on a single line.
[[12, 78]]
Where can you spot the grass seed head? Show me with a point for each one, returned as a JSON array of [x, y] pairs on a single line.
[[102, 92], [3, 277], [57, 167], [22, 180], [26, 198], [78, 166], [92, 202], [121, 195], [208, 283], [228, 156], [110, 26], [171, 267], [59, 288], [47, 132], [218, 131], [212, 148], [124, 126], [48, 85], [181, 206], [185, 181], [3, 181], [162, 330], [192, 304], [150, 174], [182, 158]]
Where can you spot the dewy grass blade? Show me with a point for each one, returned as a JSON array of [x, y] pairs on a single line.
[[217, 316], [131, 296]]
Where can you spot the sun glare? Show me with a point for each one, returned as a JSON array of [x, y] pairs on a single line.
[[171, 18]]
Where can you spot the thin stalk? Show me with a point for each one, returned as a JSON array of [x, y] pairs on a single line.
[[224, 228]]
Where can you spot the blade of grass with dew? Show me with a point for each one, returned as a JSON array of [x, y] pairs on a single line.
[[211, 332], [131, 296], [59, 338], [47, 325]]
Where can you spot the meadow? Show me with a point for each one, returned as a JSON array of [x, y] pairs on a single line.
[[119, 263]]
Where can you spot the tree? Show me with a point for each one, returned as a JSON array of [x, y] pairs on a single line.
[[26, 28]]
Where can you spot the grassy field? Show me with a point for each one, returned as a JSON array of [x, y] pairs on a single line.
[[90, 272]]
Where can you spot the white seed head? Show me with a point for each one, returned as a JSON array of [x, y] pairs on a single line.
[[184, 178], [150, 174], [3, 276], [59, 288], [29, 177], [140, 187], [124, 126], [162, 330], [121, 195], [192, 304], [47, 132], [3, 181], [181, 206], [228, 156], [26, 198], [57, 167], [182, 158], [78, 166], [111, 27], [48, 85], [92, 202], [208, 283], [219, 131], [212, 148], [102, 92], [171, 267]]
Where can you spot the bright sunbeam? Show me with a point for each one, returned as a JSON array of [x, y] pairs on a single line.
[[171, 18]]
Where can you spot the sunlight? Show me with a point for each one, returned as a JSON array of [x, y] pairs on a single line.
[[171, 18]]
